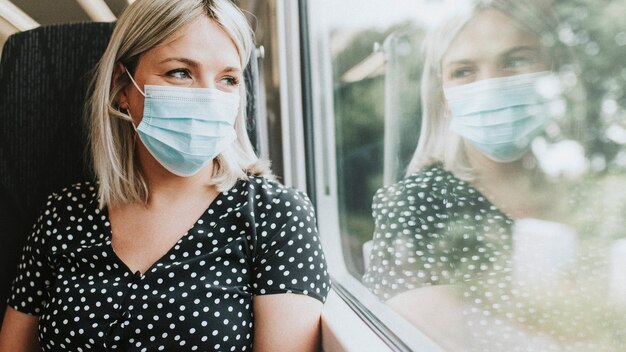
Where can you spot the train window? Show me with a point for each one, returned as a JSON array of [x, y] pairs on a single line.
[[470, 159]]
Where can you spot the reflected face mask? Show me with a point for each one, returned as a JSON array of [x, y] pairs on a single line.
[[186, 128], [501, 116]]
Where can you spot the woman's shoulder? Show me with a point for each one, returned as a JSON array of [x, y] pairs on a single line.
[[268, 185], [431, 182], [275, 206], [80, 193], [268, 193], [68, 206], [433, 176]]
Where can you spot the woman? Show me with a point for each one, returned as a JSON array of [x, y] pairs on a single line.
[[185, 242], [489, 88]]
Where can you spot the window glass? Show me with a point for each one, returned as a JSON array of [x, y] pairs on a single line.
[[481, 165]]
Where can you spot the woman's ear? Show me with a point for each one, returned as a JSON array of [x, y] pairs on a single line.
[[117, 79]]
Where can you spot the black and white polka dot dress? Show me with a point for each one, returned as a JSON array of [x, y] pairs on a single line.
[[257, 238], [435, 229], [431, 229]]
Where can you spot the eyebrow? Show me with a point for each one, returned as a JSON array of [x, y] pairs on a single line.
[[520, 48], [181, 59], [232, 69], [505, 53], [195, 64]]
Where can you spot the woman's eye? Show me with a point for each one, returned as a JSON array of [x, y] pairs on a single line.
[[518, 61], [230, 80], [179, 73], [461, 72]]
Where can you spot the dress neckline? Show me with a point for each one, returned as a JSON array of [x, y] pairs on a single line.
[[208, 212]]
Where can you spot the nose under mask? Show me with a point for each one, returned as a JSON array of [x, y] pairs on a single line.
[[501, 116], [186, 128]]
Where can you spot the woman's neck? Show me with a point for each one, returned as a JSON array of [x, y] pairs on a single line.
[[516, 189], [488, 171], [164, 186]]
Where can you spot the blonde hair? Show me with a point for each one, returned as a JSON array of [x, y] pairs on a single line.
[[436, 143], [142, 26]]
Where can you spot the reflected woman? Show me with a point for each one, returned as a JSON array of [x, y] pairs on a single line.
[[444, 234]]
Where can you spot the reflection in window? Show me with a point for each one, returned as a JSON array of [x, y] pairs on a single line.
[[491, 139]]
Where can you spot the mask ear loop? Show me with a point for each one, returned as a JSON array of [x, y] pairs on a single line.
[[134, 83], [132, 121], [128, 118]]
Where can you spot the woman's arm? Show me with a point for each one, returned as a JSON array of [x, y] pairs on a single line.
[[19, 332], [437, 311], [286, 322]]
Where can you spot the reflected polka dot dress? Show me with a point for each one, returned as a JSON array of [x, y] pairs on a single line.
[[257, 238], [435, 229], [432, 229]]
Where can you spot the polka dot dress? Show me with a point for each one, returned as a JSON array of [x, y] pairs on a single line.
[[433, 228], [257, 238]]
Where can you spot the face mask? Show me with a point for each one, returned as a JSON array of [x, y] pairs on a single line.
[[186, 128], [501, 116]]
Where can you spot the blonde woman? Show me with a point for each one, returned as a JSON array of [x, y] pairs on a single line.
[[443, 235], [184, 243]]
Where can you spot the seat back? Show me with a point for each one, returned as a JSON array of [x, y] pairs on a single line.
[[44, 78], [44, 75]]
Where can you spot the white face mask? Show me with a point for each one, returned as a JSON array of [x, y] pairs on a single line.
[[186, 128], [501, 116]]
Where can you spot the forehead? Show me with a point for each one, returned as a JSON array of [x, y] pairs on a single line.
[[488, 34], [202, 40]]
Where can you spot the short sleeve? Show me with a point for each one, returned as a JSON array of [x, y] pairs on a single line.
[[29, 292], [289, 256], [410, 248]]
